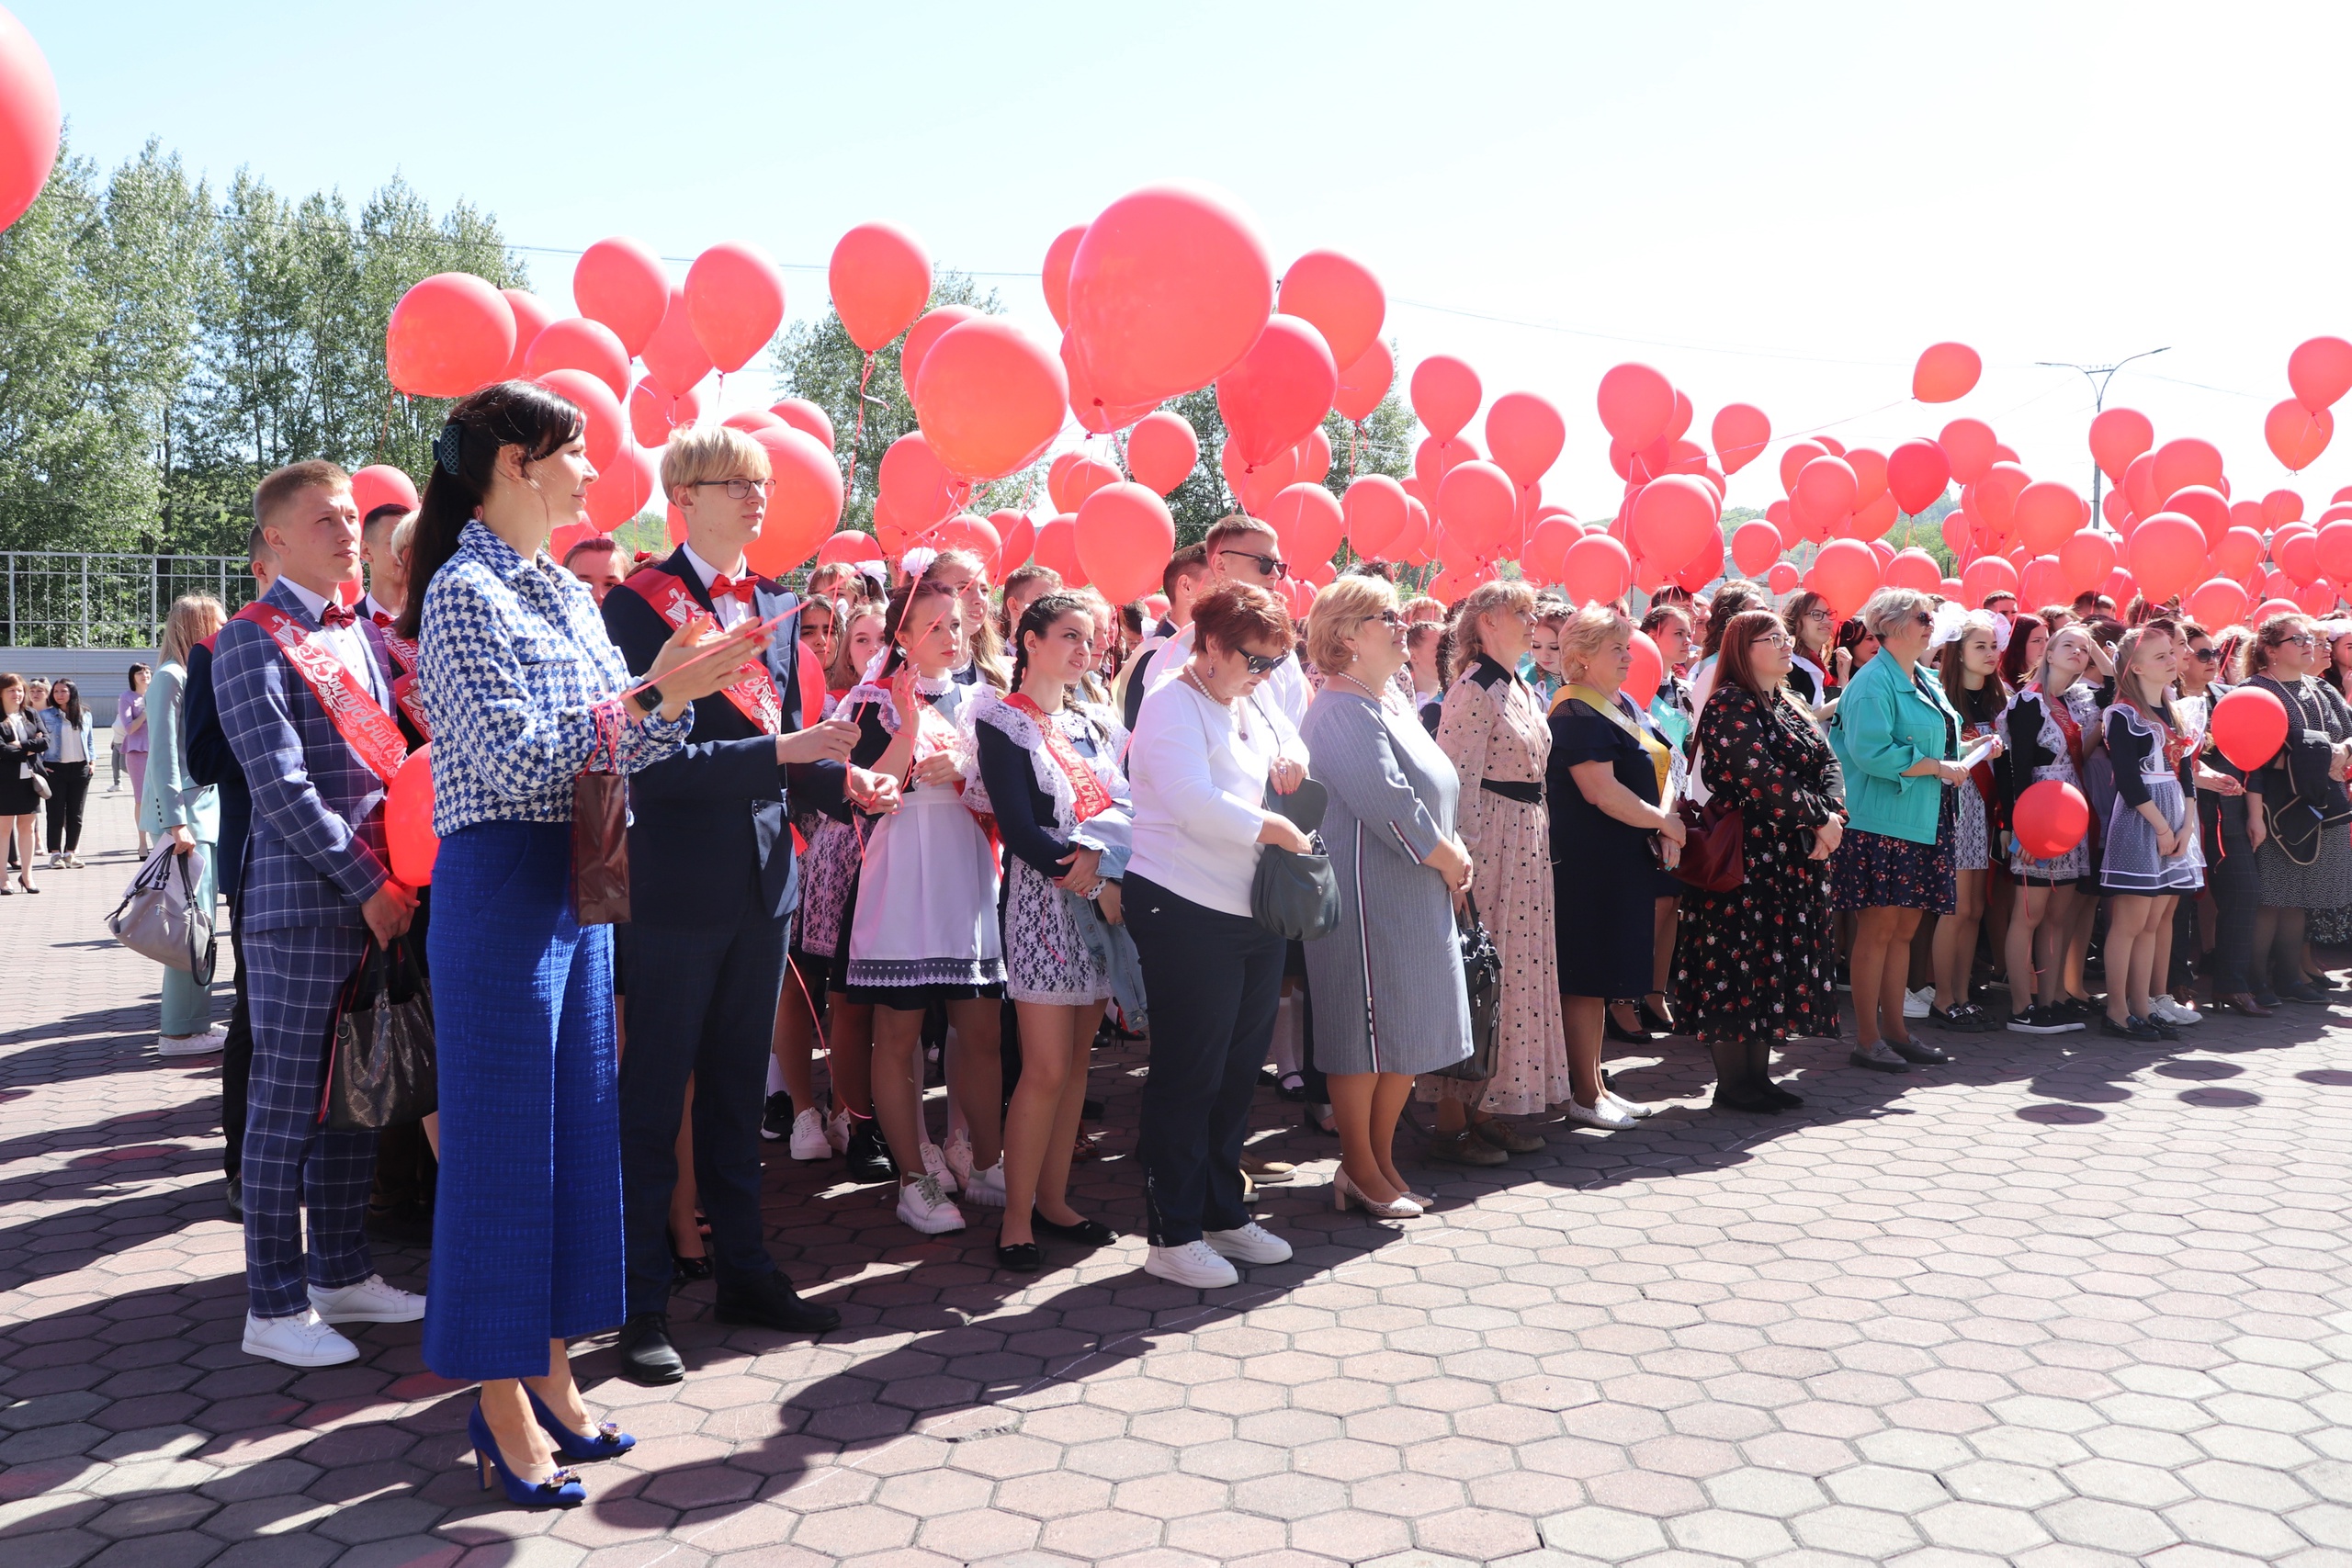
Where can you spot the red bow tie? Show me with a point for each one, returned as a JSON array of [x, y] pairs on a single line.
[[383, 619], [336, 615], [722, 586]]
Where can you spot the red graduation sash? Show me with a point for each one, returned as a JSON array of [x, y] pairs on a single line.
[[365, 727], [407, 663], [754, 695], [1089, 799]]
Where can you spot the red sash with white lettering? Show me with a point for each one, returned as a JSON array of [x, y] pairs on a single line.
[[405, 666], [755, 694], [1089, 799], [365, 727]]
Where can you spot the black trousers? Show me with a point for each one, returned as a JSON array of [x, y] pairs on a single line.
[[1214, 980], [236, 1053], [2236, 883], [701, 1003], [69, 788]]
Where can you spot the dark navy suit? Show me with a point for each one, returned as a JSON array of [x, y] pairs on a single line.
[[315, 854], [210, 761], [711, 891]]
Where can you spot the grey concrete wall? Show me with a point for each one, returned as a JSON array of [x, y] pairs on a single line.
[[103, 674]]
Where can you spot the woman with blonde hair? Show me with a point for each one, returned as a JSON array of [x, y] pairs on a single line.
[[1493, 729], [2149, 853], [175, 807], [1614, 827]]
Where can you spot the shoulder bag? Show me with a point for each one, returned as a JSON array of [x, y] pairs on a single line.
[[1482, 976], [1296, 897], [161, 916], [600, 832], [1713, 855], [380, 1069]]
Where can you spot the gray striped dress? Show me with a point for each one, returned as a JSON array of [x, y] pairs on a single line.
[[1388, 989]]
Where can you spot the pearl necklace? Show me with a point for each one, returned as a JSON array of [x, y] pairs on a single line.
[[1240, 719]]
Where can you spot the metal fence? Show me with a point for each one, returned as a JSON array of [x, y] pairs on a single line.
[[59, 599]]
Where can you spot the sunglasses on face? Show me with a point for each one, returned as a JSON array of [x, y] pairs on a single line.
[[1268, 566], [1924, 619], [2207, 655], [1388, 618], [1259, 663]]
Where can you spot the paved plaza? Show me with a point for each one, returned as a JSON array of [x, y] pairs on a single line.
[[2067, 1301]]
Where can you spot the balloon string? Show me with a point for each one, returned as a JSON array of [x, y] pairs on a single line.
[[857, 435]]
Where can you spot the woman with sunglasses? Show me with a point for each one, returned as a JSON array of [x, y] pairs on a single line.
[[1897, 741], [2296, 807], [2221, 919]]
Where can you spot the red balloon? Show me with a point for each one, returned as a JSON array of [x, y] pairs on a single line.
[[1096, 416], [2167, 555], [2297, 553], [1740, 432], [621, 283], [1525, 433], [2249, 725], [2047, 514], [2138, 486], [989, 399], [1070, 482], [450, 333], [2051, 817], [734, 302], [1340, 296], [2296, 434], [1870, 474], [1056, 279], [748, 419], [1674, 518], [1997, 491], [1969, 444], [976, 534], [1826, 492], [1056, 548], [1446, 393], [1913, 569], [381, 484], [1595, 569], [2238, 553], [607, 424], [1378, 515], [1754, 545], [1364, 383], [1162, 451], [2332, 549], [408, 818], [2320, 370], [1020, 534], [927, 331], [2085, 559], [1124, 536], [1794, 457], [532, 316], [880, 280], [623, 487], [653, 413], [674, 356], [848, 547], [2185, 462], [1955, 529], [1781, 579], [1478, 506], [1279, 391], [1257, 488], [1644, 671], [1636, 403], [2203, 507], [1545, 558], [576, 343], [2218, 603], [2118, 435], [1168, 289], [915, 483], [1313, 457], [2281, 507], [2044, 582], [1946, 371], [1985, 577], [806, 505], [1308, 521], [802, 414], [1917, 473], [30, 119]]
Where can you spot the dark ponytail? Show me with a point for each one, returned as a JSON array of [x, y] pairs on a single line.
[[1038, 619], [465, 456]]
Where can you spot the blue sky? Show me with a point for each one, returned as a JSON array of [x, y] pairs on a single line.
[[1775, 204]]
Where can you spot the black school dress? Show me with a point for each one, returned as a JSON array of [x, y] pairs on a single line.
[[1604, 878]]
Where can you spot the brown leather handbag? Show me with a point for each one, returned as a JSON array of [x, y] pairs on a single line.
[[600, 832]]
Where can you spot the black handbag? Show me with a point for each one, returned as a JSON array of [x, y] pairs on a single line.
[[1295, 896], [380, 1067], [1482, 975]]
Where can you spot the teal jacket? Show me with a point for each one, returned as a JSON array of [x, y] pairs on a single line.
[[1886, 725]]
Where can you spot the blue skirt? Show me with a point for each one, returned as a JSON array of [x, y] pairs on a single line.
[[1878, 871], [526, 1226]]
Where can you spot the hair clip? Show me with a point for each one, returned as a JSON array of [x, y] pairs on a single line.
[[449, 448]]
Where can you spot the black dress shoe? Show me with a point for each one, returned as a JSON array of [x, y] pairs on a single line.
[[1089, 1233], [684, 1271], [1780, 1094], [768, 1301], [1020, 1257], [1753, 1101], [869, 1156], [648, 1358], [235, 1198], [1620, 1033]]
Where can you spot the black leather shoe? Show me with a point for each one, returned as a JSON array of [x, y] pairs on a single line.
[[869, 1156], [770, 1301], [1090, 1233], [648, 1358], [1780, 1094], [1755, 1101], [1019, 1258], [1920, 1056], [684, 1271], [235, 1198]]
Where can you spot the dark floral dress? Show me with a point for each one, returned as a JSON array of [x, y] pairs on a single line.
[[1754, 963]]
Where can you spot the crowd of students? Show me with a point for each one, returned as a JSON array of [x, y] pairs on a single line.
[[1013, 824]]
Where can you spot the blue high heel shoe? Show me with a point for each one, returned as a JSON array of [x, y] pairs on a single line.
[[608, 1442], [562, 1490]]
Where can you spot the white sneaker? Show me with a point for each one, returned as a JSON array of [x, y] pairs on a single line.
[[926, 1208], [57, 862], [202, 1044], [76, 862], [1625, 1107], [837, 1132], [1252, 1243], [1195, 1264], [2171, 1011], [1919, 1003], [303, 1340], [935, 1165], [808, 1140], [957, 1151], [1601, 1113], [987, 1187], [370, 1300]]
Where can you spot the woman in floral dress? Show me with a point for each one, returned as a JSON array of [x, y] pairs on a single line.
[[1752, 963]]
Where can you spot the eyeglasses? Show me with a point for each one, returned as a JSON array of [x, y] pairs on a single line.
[[1268, 566], [1770, 640], [1823, 615], [739, 490], [1259, 663], [2303, 638]]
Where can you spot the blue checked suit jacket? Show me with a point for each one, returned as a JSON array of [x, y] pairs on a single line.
[[316, 853]]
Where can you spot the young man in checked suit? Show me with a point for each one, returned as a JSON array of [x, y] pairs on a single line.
[[305, 695]]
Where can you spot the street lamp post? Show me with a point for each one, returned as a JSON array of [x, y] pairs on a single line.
[[2098, 377]]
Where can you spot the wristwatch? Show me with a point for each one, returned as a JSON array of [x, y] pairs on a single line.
[[650, 699]]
